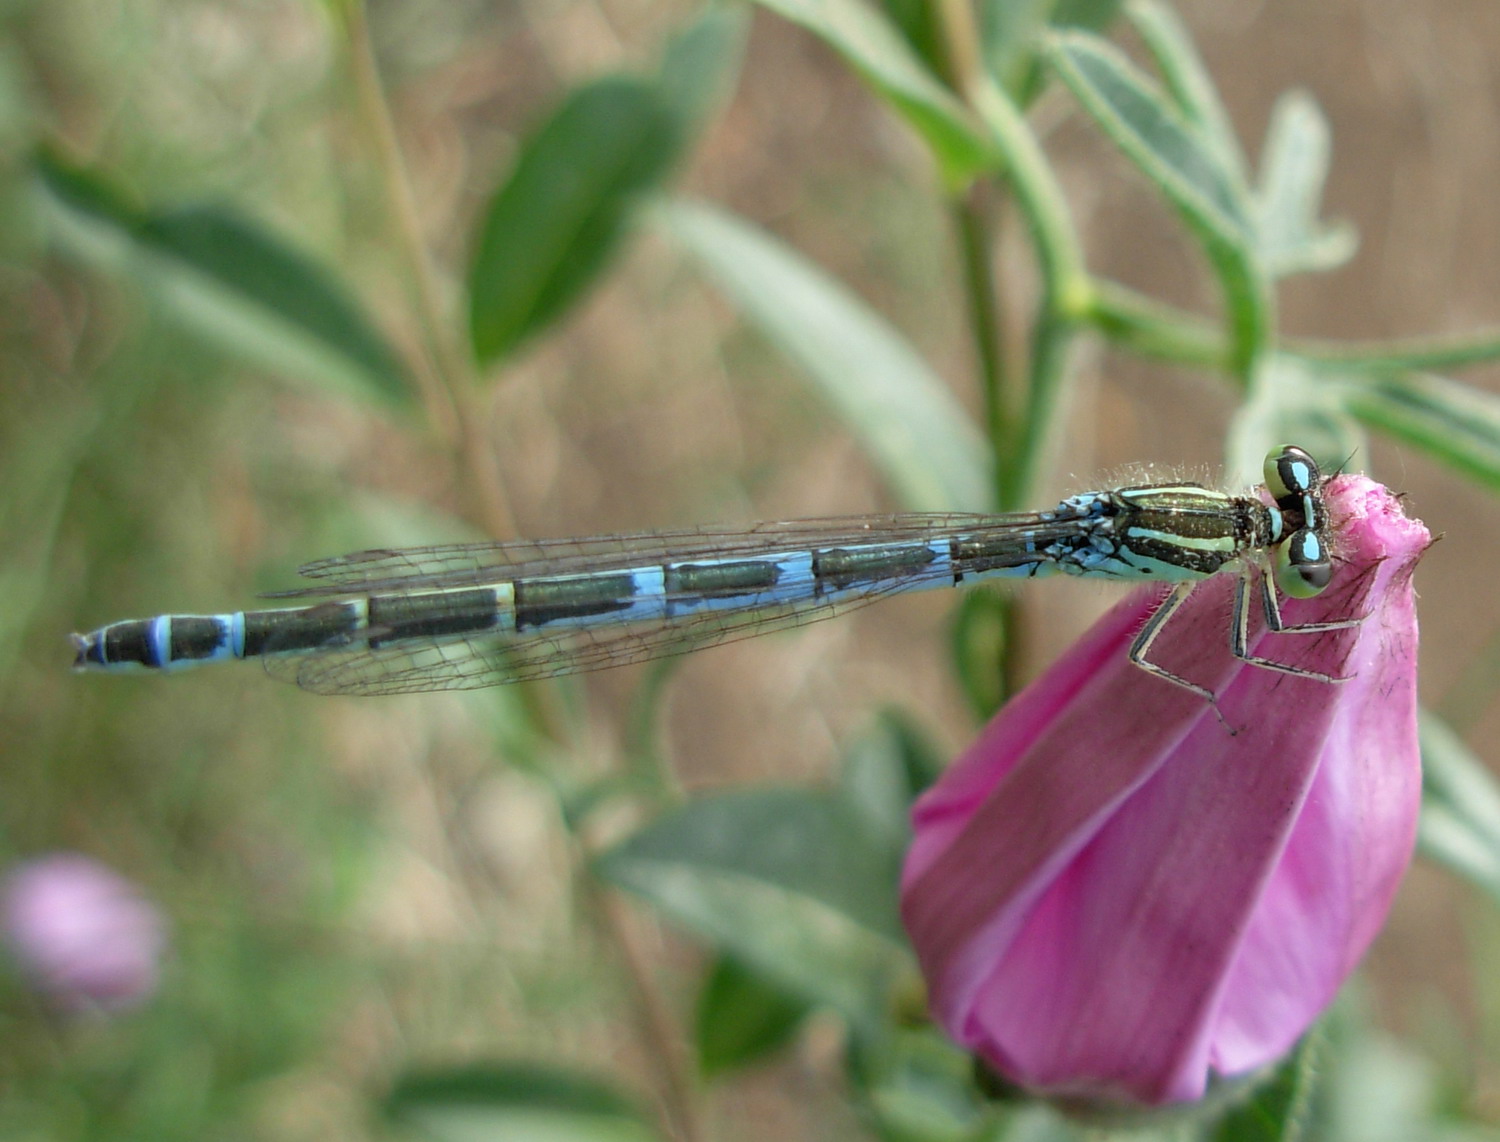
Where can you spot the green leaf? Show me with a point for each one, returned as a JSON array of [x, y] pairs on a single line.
[[550, 229], [104, 209], [1407, 354], [1188, 82], [226, 278], [1011, 31], [1451, 422], [1091, 15], [1277, 1109], [1011, 35], [527, 1102], [875, 49], [743, 1018], [806, 842], [883, 773], [1379, 1089], [1294, 168], [919, 26], [1291, 401], [919, 1087], [702, 64], [1154, 134], [1187, 167], [911, 426], [784, 880], [1460, 822]]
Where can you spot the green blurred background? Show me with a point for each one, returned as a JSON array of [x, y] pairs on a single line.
[[356, 887]]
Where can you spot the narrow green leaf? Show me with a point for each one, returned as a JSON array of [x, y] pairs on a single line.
[[1011, 37], [89, 200], [702, 65], [1153, 134], [913, 429], [228, 280], [743, 1018], [1173, 153], [550, 228], [1187, 79], [1013, 43], [1293, 170], [919, 25], [1090, 15], [1407, 354], [1277, 1109], [244, 283], [527, 1101], [784, 880], [875, 49], [1460, 822], [1451, 422]]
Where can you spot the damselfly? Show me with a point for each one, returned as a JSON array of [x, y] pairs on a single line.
[[461, 616]]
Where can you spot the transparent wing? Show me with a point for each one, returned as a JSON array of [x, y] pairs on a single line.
[[475, 564], [366, 665], [363, 668]]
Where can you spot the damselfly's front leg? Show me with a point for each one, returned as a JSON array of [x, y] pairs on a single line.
[[1239, 644], [1239, 636]]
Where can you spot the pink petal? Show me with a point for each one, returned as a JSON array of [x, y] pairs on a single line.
[[85, 934], [1111, 895]]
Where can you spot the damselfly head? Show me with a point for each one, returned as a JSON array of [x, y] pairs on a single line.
[[1302, 563]]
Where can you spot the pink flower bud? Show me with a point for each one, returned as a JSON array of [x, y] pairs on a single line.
[[1112, 896], [82, 933]]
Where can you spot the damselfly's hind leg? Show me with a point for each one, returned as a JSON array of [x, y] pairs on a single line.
[[1147, 635]]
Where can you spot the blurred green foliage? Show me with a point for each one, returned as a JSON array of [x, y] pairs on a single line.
[[279, 283]]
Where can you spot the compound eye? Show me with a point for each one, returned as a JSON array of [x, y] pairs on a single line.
[[1303, 568], [1290, 472]]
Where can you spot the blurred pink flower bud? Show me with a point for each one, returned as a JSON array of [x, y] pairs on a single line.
[[1113, 897], [82, 933]]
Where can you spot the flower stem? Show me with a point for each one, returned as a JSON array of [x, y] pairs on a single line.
[[1066, 288], [450, 386], [976, 240], [974, 221], [963, 69], [656, 1027], [1018, 425], [1157, 330], [456, 402]]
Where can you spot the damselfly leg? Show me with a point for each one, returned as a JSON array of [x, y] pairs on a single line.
[[1239, 638]]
